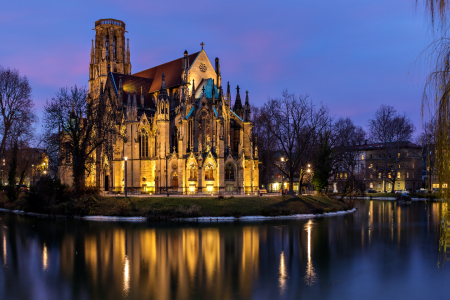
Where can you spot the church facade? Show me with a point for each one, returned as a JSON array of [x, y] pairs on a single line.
[[182, 133]]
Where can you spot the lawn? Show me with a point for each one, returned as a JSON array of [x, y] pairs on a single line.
[[164, 208], [174, 207]]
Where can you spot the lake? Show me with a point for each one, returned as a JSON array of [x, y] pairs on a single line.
[[382, 251]]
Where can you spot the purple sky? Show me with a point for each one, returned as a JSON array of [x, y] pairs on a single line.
[[352, 55]]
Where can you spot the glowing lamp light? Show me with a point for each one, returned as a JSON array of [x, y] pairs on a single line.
[[192, 188], [126, 158], [309, 171], [209, 188], [282, 158]]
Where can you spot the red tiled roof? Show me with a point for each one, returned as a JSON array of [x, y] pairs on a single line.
[[172, 70], [133, 84]]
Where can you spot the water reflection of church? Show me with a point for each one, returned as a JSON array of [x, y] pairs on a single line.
[[183, 133]]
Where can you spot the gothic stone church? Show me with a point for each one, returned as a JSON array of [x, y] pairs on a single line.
[[183, 135]]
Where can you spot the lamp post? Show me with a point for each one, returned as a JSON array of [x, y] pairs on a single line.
[[3, 167], [125, 176], [32, 174], [309, 178], [283, 161]]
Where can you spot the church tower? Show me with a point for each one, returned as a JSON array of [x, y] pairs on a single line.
[[109, 53]]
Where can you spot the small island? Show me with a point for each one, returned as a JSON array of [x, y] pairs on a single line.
[[169, 208]]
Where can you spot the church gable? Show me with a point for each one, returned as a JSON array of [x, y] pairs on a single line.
[[201, 69]]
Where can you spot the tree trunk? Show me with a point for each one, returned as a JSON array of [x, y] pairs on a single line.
[[291, 182]]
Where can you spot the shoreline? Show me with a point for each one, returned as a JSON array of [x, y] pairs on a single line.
[[196, 219], [394, 199]]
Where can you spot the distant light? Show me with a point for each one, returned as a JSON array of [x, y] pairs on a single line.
[[309, 166], [125, 158]]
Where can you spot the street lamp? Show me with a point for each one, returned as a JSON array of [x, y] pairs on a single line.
[[32, 174], [309, 177], [125, 176]]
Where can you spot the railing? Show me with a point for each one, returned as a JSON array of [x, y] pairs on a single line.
[[110, 21]]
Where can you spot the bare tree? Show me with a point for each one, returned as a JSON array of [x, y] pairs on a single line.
[[76, 126], [292, 125], [17, 116], [393, 132], [347, 138]]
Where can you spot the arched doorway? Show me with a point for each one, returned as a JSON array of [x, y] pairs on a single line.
[[175, 181]]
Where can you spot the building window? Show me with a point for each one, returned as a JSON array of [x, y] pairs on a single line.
[[371, 166], [407, 154], [345, 174], [143, 143], [407, 174], [192, 172], [413, 175], [398, 185], [398, 174], [399, 155], [229, 172], [362, 156], [371, 175], [379, 175], [209, 172], [370, 155], [413, 165], [389, 175], [389, 185], [399, 166], [379, 185], [371, 185]]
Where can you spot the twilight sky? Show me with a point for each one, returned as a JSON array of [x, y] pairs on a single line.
[[351, 55]]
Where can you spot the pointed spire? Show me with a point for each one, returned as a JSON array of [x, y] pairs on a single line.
[[129, 100], [163, 89], [120, 83], [142, 98], [228, 93], [238, 104], [193, 90], [92, 53], [247, 108]]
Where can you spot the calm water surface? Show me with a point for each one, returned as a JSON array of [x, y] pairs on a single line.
[[383, 251]]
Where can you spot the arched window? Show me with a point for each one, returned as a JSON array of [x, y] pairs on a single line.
[[175, 139], [143, 144], [191, 171], [107, 46], [229, 172], [209, 172], [114, 48]]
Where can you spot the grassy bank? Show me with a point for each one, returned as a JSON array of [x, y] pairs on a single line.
[[164, 208]]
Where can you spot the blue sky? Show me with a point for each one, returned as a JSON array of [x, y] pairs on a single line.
[[351, 55]]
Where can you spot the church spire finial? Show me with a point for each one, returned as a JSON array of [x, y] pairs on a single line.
[[163, 89], [237, 108], [202, 44]]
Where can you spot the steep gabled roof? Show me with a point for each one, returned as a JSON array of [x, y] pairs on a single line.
[[131, 84], [172, 70]]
